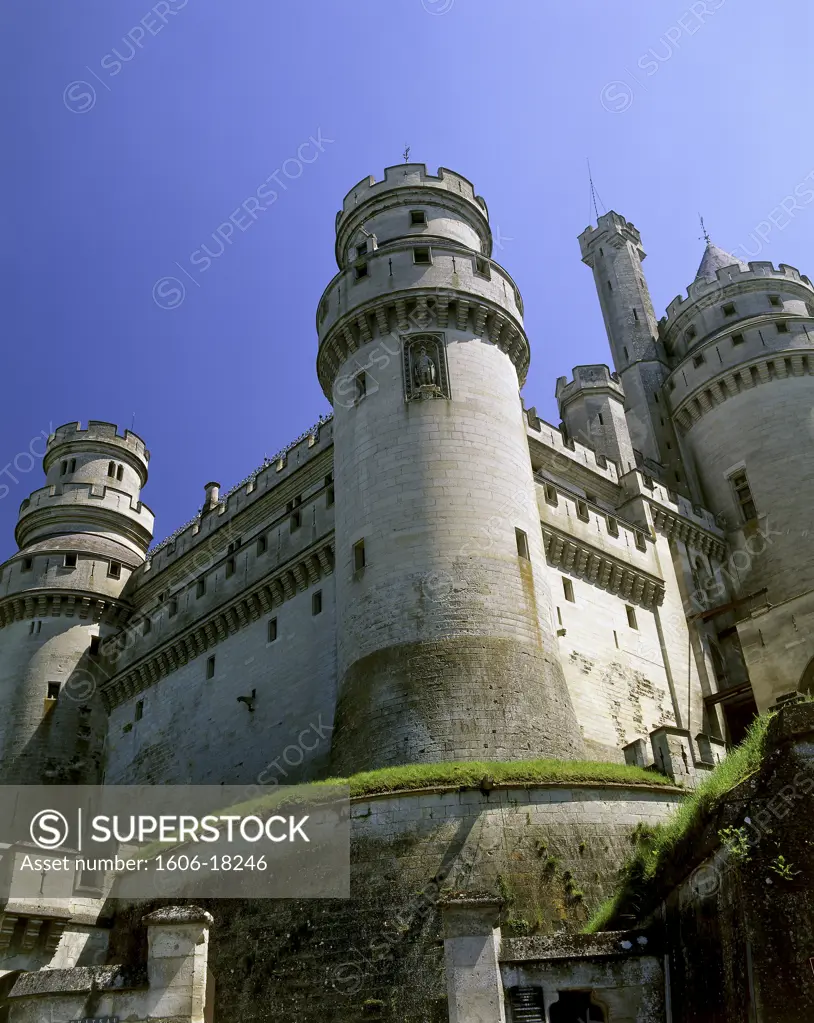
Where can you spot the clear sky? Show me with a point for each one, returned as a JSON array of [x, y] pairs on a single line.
[[133, 129]]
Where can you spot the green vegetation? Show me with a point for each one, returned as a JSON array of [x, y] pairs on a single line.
[[655, 846], [482, 773], [783, 869]]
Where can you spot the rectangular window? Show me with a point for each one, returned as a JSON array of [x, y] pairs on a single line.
[[482, 267], [631, 616], [210, 666], [568, 589], [72, 467], [53, 690], [775, 301], [172, 608], [139, 710], [422, 256], [230, 567], [114, 570], [418, 217], [27, 564], [361, 251], [329, 497], [522, 541], [361, 385], [295, 521], [613, 526], [94, 645], [316, 603], [200, 588], [551, 495], [728, 309], [63, 468], [582, 511], [698, 360], [737, 339], [641, 542], [359, 556], [146, 626], [743, 494], [70, 561], [272, 630], [782, 327], [625, 351], [262, 545], [360, 270]]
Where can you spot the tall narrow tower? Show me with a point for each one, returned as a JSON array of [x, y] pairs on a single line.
[[446, 647], [80, 537], [613, 250]]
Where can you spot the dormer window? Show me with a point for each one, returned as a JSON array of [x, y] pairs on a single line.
[[417, 218]]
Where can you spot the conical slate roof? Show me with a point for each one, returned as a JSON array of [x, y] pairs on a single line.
[[715, 259]]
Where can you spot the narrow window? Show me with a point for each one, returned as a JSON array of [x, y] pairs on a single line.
[[200, 588], [631, 616], [210, 666], [672, 385], [146, 626], [775, 301], [72, 466], [39, 627], [656, 397], [522, 544], [551, 495], [63, 468], [329, 495], [641, 542], [139, 710], [295, 521], [737, 339], [272, 630], [120, 473], [635, 314], [262, 545], [361, 251], [743, 494], [601, 420], [568, 589], [53, 690], [782, 327], [613, 526], [422, 256], [482, 267], [418, 217], [610, 286], [625, 351], [615, 639], [698, 360], [94, 645], [582, 511], [172, 608], [559, 617], [70, 561], [114, 570], [728, 309], [359, 556], [27, 564], [360, 270], [111, 469], [316, 603], [361, 385], [230, 567]]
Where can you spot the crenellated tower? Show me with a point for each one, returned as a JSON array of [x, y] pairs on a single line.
[[80, 537], [446, 645], [613, 250]]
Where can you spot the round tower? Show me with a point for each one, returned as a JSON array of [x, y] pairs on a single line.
[[741, 393], [80, 537], [446, 647]]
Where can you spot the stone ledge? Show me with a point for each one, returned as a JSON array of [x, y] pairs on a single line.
[[79, 979], [581, 946]]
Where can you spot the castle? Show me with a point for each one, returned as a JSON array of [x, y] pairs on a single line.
[[433, 573]]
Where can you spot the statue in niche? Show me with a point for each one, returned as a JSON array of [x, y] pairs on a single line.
[[424, 372]]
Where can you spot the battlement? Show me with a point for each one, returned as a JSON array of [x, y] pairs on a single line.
[[588, 378], [609, 224], [410, 175], [95, 432], [731, 275]]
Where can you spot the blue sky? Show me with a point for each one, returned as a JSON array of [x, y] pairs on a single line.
[[132, 130]]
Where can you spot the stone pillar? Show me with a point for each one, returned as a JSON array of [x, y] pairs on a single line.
[[674, 755], [471, 949], [177, 948], [711, 750], [637, 754]]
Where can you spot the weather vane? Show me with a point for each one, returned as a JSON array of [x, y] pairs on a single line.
[[704, 229], [406, 153]]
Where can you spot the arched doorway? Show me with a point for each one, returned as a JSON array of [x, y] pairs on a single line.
[[806, 683]]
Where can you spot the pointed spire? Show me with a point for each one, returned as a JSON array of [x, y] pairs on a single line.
[[715, 259]]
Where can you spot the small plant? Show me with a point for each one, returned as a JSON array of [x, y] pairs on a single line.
[[551, 864], [737, 842], [372, 1006], [520, 927], [782, 868], [504, 889], [581, 848], [541, 847]]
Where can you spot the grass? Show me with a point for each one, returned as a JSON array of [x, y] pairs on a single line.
[[488, 773], [656, 846]]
